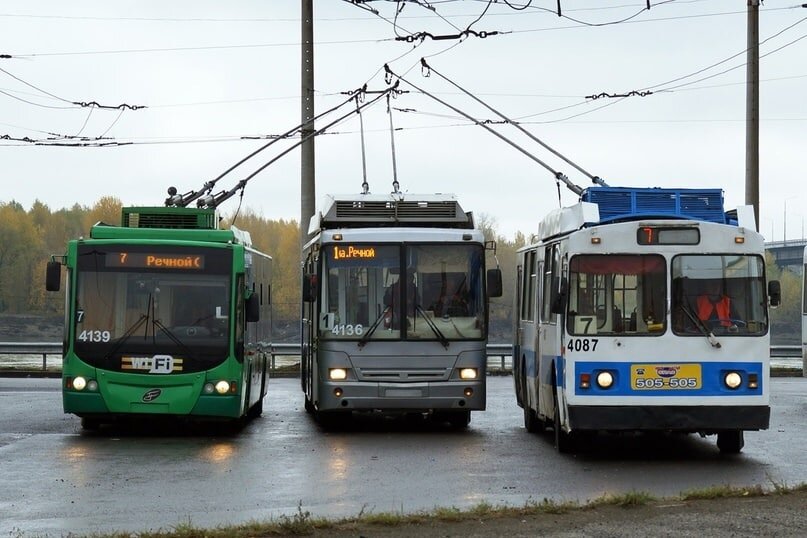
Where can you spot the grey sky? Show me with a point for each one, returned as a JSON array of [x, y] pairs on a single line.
[[211, 73]]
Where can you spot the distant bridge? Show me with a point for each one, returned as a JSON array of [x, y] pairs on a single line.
[[788, 254]]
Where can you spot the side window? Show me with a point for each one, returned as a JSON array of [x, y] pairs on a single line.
[[551, 272], [528, 287], [239, 312]]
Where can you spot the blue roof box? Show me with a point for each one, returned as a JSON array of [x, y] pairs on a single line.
[[633, 203]]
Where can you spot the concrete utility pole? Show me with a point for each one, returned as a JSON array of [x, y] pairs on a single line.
[[307, 176], [752, 111]]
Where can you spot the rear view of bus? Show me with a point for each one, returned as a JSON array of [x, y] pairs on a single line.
[[165, 315], [395, 308]]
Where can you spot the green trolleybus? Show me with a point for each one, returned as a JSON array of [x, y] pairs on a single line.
[[165, 315]]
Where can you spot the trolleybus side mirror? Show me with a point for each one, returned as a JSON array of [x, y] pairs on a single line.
[[53, 276], [775, 292], [559, 297], [253, 311], [309, 288], [494, 282]]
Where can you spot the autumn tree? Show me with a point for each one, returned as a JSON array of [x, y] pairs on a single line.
[[107, 209], [20, 247]]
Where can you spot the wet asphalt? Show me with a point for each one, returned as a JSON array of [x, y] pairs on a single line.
[[56, 479]]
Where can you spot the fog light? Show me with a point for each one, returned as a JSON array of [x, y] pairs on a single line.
[[79, 383], [605, 380], [222, 387], [92, 385], [337, 392], [468, 373], [733, 380], [468, 392], [208, 388], [337, 374], [585, 381]]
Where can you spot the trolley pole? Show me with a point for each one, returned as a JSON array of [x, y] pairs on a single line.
[[752, 111], [307, 176]]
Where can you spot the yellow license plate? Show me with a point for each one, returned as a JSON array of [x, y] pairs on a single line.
[[665, 376]]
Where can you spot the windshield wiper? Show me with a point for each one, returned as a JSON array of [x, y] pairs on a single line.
[[432, 326], [700, 325], [171, 336], [129, 332], [373, 327]]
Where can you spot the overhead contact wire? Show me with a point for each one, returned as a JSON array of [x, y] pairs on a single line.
[[285, 135], [558, 175], [593, 178]]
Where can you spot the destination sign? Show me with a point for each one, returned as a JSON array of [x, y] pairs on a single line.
[[658, 235], [351, 252], [141, 260]]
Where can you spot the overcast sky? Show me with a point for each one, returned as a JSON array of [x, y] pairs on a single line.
[[214, 74]]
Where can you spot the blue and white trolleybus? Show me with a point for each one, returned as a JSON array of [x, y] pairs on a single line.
[[644, 310]]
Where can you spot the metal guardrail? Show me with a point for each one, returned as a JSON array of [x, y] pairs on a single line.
[[502, 351], [32, 348]]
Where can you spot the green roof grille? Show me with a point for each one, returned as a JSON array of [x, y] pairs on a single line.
[[179, 218]]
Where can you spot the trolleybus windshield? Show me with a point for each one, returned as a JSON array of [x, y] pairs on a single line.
[[410, 291], [724, 294], [137, 303], [617, 294]]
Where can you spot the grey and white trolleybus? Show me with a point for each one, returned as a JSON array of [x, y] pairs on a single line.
[[642, 310], [395, 308]]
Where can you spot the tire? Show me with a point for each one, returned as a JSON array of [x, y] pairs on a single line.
[[730, 442], [332, 420], [309, 406], [531, 422], [90, 424], [564, 442], [459, 419], [456, 419], [256, 410], [520, 382]]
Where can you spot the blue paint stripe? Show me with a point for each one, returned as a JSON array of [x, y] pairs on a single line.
[[712, 374]]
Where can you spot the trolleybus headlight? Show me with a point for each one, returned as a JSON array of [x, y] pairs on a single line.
[[605, 380], [337, 374], [92, 385], [733, 380], [79, 383], [222, 387], [468, 373], [208, 388]]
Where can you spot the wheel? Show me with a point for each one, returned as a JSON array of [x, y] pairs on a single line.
[[520, 380], [564, 442], [730, 442], [256, 410], [332, 420], [459, 419], [531, 422], [309, 406], [90, 424]]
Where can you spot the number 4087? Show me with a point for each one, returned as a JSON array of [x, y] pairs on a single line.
[[582, 344]]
